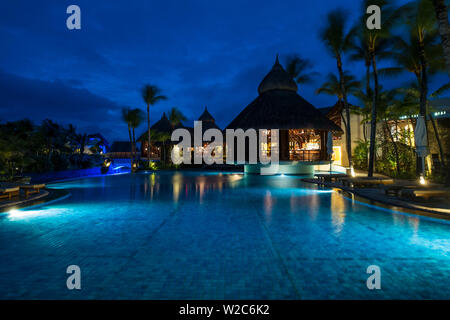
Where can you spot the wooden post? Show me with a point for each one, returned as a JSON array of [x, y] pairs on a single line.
[[323, 145], [284, 145]]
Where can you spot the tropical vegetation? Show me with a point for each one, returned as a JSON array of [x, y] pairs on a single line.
[[412, 40], [151, 95], [49, 146]]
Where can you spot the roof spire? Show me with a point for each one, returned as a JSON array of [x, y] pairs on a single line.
[[277, 79]]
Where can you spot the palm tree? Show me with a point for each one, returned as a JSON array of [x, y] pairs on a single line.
[[176, 117], [333, 87], [390, 109], [133, 118], [136, 119], [373, 41], [360, 52], [337, 39], [151, 95], [163, 138], [80, 140], [421, 22], [126, 117], [298, 69], [52, 132], [407, 56], [411, 101], [422, 26], [444, 29], [365, 103]]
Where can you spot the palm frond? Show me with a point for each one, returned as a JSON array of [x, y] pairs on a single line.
[[439, 92], [390, 72]]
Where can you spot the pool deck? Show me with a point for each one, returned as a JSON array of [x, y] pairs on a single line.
[[45, 196], [22, 201], [436, 209]]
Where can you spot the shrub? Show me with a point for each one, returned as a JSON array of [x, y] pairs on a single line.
[[360, 155]]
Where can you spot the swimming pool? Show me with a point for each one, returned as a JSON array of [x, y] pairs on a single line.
[[190, 235]]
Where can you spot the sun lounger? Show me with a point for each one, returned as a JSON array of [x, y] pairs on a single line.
[[425, 193], [9, 192], [365, 182], [31, 188], [396, 189], [322, 177]]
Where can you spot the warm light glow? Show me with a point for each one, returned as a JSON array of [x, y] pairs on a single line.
[[16, 215], [107, 163], [312, 146], [337, 155], [13, 212], [352, 172], [422, 180]]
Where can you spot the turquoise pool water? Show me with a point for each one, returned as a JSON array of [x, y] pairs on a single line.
[[218, 236]]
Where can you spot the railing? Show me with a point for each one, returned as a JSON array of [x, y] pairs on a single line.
[[304, 155]]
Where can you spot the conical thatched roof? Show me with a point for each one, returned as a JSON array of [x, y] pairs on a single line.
[[162, 126], [279, 106], [277, 79], [208, 121], [206, 116]]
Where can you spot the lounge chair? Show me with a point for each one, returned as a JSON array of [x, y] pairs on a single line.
[[327, 177], [365, 182], [9, 192], [31, 188], [425, 193]]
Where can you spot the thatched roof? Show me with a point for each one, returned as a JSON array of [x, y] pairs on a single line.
[[163, 125], [325, 110], [279, 106], [206, 116], [208, 121], [277, 78]]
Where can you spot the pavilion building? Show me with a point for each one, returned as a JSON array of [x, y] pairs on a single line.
[[303, 129], [160, 134], [360, 131]]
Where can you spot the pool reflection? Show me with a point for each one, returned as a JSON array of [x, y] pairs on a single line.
[[180, 186]]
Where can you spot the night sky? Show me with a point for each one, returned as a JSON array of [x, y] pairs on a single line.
[[199, 53]]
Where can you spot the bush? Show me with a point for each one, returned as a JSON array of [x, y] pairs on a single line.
[[60, 162], [360, 155], [387, 164]]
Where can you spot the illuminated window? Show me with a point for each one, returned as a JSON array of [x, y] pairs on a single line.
[[337, 155]]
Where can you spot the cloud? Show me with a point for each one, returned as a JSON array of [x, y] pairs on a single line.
[[199, 53], [38, 100]]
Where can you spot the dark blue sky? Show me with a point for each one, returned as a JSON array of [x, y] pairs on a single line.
[[200, 53]]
